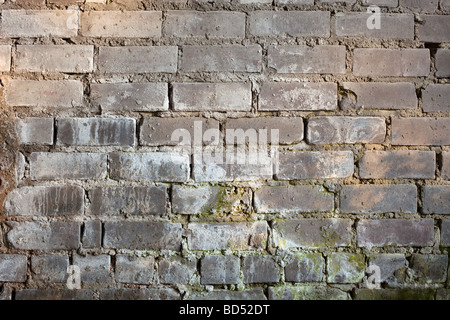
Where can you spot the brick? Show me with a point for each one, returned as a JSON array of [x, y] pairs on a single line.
[[443, 294], [54, 294], [212, 96], [139, 200], [211, 24], [338, 1], [391, 62], [436, 97], [138, 59], [378, 198], [131, 269], [130, 24], [215, 269], [393, 26], [381, 3], [445, 4], [40, 23], [420, 131], [142, 235], [54, 58], [407, 164], [326, 130], [307, 293], [49, 166], [293, 199], [221, 58], [436, 199], [45, 201], [44, 235], [35, 130], [246, 294], [345, 267], [6, 294], [13, 268], [442, 63], [222, 236], [50, 267], [176, 270], [140, 294], [289, 130], [93, 269], [429, 268], [210, 200], [380, 95], [395, 232], [92, 234], [46, 93], [445, 233], [305, 267], [289, 23], [260, 269], [392, 267], [395, 294], [278, 96], [154, 166], [5, 58], [297, 2], [429, 5], [130, 96], [303, 59], [297, 165], [312, 233], [445, 171], [174, 131], [96, 132]]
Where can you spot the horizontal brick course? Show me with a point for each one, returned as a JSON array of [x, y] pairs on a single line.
[[436, 98], [35, 130], [436, 199], [434, 28], [421, 131]]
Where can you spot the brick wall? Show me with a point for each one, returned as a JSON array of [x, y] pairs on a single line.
[[128, 130]]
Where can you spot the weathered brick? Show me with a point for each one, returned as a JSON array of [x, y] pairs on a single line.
[[436, 199], [142, 235], [293, 199], [395, 294], [46, 93], [247, 294], [307, 293], [303, 59], [312, 233], [5, 58], [443, 294], [445, 4], [429, 5], [436, 98], [92, 234], [50, 267], [338, 1], [378, 198], [345, 267], [130, 96], [420, 131], [96, 131], [442, 63], [95, 269], [434, 28], [6, 293], [45, 201], [138, 59], [217, 269], [154, 166], [132, 269], [176, 270], [395, 232], [212, 96], [429, 268], [221, 58], [222, 236], [13, 267], [325, 130], [288, 130], [54, 58], [305, 267], [295, 165], [260, 269], [130, 24], [36, 23], [44, 235], [394, 164], [54, 294], [445, 171], [289, 23], [391, 62], [380, 95], [445, 233], [48, 166], [174, 131], [139, 200], [277, 96], [393, 26], [392, 267], [140, 294], [381, 3], [211, 24], [35, 130]]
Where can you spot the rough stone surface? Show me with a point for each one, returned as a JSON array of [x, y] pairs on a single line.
[[219, 269], [13, 267], [137, 270], [305, 267]]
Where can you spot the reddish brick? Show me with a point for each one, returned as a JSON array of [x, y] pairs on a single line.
[[5, 58], [420, 131]]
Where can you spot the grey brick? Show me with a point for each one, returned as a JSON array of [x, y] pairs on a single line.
[[260, 269], [392, 267], [6, 293], [92, 234], [345, 267], [54, 294], [434, 28], [436, 98], [305, 267], [93, 269], [445, 233], [445, 171], [140, 294], [247, 294], [13, 268], [307, 293], [430, 5], [5, 58], [35, 130], [381, 3], [131, 269], [395, 294], [429, 268], [176, 270], [50, 267], [436, 199], [421, 131], [442, 63], [217, 269]]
